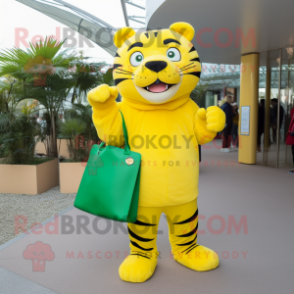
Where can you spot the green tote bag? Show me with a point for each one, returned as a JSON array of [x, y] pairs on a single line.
[[110, 184]]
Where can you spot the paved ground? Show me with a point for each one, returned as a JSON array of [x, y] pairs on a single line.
[[13, 283], [30, 209], [258, 260]]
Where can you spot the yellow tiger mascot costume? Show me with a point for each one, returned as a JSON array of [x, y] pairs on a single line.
[[155, 72]]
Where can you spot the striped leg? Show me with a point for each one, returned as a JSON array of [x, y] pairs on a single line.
[[183, 227], [141, 263]]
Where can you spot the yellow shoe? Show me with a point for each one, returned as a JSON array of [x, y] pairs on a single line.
[[137, 267], [197, 258]]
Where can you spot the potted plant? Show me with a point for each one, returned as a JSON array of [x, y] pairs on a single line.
[[20, 171], [42, 71], [80, 134], [78, 128]]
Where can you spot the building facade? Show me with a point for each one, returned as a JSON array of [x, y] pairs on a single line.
[[256, 37]]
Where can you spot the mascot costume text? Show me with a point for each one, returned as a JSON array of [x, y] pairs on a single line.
[[155, 72]]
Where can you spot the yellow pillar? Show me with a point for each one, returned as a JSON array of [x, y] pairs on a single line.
[[248, 111]]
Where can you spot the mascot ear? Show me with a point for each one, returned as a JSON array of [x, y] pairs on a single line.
[[122, 35], [184, 29]]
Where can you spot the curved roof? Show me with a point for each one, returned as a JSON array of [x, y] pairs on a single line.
[[87, 24], [220, 23]]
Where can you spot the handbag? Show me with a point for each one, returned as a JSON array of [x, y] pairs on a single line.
[[110, 184]]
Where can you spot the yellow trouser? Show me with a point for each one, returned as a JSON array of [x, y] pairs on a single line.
[[182, 221], [183, 224]]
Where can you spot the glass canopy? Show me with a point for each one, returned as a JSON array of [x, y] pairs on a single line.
[[132, 13]]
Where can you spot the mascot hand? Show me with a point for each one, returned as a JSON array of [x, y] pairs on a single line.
[[214, 117], [101, 94]]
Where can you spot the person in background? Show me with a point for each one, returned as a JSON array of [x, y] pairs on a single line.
[[228, 110], [274, 117], [290, 136], [235, 126], [260, 127]]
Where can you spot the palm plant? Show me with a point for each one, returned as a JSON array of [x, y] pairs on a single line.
[[199, 92], [52, 98], [86, 77], [7, 109], [79, 130], [84, 112], [7, 97], [43, 71], [70, 129], [52, 76], [18, 130], [41, 58]]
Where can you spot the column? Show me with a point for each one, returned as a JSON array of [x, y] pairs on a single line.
[[249, 78]]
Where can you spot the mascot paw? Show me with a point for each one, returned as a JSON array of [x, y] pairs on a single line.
[[215, 119], [137, 268], [102, 93], [198, 259]]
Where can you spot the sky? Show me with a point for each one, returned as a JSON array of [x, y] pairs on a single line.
[[17, 19]]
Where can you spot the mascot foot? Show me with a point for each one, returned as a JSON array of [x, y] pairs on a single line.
[[137, 267], [198, 258]]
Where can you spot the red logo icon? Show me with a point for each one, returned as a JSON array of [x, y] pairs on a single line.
[[39, 253]]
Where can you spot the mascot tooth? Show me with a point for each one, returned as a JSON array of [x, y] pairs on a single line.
[[155, 72]]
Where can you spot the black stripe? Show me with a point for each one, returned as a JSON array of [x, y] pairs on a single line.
[[191, 249], [115, 65], [167, 41], [138, 237], [188, 243], [194, 73], [155, 34], [137, 44], [192, 49], [141, 255], [139, 223], [188, 220], [147, 35], [190, 233], [117, 81], [117, 55], [138, 246], [195, 59]]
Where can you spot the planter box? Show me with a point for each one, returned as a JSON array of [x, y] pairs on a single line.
[[70, 175], [28, 179], [62, 143]]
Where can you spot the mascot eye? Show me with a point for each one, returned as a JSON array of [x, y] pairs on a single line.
[[173, 54], [136, 58]]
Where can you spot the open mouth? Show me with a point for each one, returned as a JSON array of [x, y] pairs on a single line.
[[158, 87]]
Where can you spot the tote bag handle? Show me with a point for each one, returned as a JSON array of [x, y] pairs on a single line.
[[125, 131]]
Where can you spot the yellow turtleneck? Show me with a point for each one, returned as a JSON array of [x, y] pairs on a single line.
[[167, 138]]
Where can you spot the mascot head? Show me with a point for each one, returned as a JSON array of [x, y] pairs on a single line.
[[156, 67]]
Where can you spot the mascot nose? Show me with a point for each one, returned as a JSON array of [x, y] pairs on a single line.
[[156, 66]]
